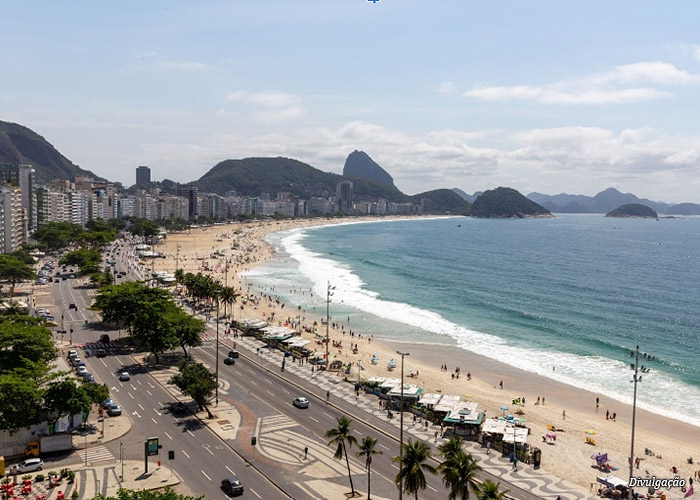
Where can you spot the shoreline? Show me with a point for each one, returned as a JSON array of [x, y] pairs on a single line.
[[569, 458]]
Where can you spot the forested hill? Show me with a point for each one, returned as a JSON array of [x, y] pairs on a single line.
[[20, 145], [633, 210], [505, 202]]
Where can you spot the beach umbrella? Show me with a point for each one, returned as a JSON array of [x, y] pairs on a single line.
[[589, 431], [504, 408], [520, 420], [551, 435]]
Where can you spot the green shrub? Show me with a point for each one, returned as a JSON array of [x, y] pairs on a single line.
[[38, 478]]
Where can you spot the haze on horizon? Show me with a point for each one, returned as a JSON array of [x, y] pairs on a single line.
[[539, 96]]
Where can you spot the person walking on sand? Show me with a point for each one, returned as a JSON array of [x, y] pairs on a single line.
[[501, 384], [597, 403], [306, 452], [563, 415], [607, 414]]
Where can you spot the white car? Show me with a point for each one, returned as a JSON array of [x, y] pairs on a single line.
[[81, 370], [300, 402], [30, 465], [124, 376]]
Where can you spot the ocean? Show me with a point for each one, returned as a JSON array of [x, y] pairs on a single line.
[[566, 298]]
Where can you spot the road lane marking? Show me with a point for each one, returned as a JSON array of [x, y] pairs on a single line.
[[251, 371], [355, 430], [139, 382], [385, 447], [312, 418], [144, 409], [285, 390], [171, 437], [131, 395], [151, 385], [393, 465], [133, 386], [209, 450], [105, 364], [254, 492], [431, 488], [266, 380], [329, 416], [185, 453], [190, 432], [159, 413], [253, 382], [270, 393], [149, 393], [205, 475], [154, 420], [229, 469]]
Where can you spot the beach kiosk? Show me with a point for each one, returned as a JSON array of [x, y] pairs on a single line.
[[411, 394], [465, 419]]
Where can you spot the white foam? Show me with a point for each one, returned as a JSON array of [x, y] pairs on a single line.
[[659, 392]]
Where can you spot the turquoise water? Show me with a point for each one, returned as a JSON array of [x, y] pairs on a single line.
[[576, 292]]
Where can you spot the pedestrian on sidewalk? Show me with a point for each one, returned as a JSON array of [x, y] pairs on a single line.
[[488, 447], [515, 463], [436, 436], [328, 396]]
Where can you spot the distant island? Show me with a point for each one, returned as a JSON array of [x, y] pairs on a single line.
[[633, 210], [505, 202]]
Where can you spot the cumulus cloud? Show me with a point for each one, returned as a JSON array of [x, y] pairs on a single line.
[[626, 83], [269, 106]]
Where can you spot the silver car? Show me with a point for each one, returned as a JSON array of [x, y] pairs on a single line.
[[30, 465]]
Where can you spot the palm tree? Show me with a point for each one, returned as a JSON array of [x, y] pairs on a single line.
[[489, 490], [228, 297], [414, 462], [339, 436], [367, 450], [459, 471], [451, 447]]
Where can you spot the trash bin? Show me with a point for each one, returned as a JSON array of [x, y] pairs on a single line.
[[536, 457]]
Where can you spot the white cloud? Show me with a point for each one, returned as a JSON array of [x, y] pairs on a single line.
[[608, 88], [269, 106]]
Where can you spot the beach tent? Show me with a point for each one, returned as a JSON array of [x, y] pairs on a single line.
[[409, 391], [464, 418], [517, 434], [389, 383], [493, 426], [446, 404], [375, 380], [430, 399], [612, 481]]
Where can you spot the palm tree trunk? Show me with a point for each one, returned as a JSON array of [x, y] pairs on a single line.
[[347, 461], [369, 482]]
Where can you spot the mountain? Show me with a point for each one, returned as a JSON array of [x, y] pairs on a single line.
[[443, 200], [633, 210], [20, 145], [359, 164], [684, 209], [603, 202], [506, 202], [469, 197]]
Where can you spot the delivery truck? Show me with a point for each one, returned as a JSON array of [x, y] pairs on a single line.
[[51, 443]]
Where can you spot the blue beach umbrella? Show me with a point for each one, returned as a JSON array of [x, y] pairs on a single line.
[[504, 408]]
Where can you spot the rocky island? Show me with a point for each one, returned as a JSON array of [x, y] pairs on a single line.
[[505, 202], [633, 210]]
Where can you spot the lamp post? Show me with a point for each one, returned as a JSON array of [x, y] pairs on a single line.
[[635, 367], [329, 294], [402, 354], [217, 346]]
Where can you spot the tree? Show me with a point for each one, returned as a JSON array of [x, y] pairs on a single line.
[[459, 471], [196, 381], [25, 346], [339, 436], [165, 494], [97, 393], [57, 235], [228, 297], [65, 398], [20, 400], [151, 327], [367, 449], [413, 464], [488, 490], [88, 260], [13, 269], [188, 329]]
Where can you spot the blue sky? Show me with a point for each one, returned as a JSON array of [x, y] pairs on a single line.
[[539, 96]]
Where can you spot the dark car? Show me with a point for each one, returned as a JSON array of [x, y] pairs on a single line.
[[232, 486], [178, 408], [100, 353], [233, 354], [72, 306], [104, 339], [229, 361]]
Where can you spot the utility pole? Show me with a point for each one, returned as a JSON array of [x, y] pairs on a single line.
[[403, 354], [635, 367], [217, 346]]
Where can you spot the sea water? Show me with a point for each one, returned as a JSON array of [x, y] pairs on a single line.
[[567, 298]]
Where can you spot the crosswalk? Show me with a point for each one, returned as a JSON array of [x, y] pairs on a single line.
[[96, 454]]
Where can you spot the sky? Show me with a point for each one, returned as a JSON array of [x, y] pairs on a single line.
[[546, 96]]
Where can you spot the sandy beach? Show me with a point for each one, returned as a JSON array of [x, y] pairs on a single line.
[[208, 249]]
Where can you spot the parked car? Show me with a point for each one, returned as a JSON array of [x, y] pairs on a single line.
[[81, 370], [30, 465], [107, 403], [124, 376], [88, 377], [229, 361], [232, 486], [72, 354], [114, 410], [300, 402], [74, 360]]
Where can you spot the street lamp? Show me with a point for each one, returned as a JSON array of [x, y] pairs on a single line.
[[329, 294], [402, 354], [217, 346], [634, 366]]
